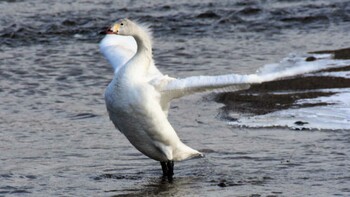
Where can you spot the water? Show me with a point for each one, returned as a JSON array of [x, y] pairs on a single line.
[[57, 140]]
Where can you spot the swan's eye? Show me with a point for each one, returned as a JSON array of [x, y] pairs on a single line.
[[121, 24]]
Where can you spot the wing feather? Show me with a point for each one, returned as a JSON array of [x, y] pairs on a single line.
[[289, 67], [118, 49]]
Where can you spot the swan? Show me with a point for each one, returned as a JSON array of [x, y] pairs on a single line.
[[138, 97]]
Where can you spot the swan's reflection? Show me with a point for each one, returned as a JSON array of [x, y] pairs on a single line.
[[160, 186]]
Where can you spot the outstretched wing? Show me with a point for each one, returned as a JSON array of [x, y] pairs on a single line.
[[118, 49], [176, 88], [289, 67]]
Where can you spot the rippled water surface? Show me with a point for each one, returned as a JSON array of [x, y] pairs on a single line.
[[57, 140]]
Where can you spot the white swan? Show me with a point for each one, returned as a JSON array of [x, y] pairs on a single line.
[[138, 97]]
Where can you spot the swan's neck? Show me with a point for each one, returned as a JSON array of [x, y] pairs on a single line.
[[144, 44], [141, 61]]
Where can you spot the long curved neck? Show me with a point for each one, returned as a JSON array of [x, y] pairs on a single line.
[[144, 43], [141, 61]]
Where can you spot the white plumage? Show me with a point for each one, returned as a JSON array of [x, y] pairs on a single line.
[[134, 101], [138, 97]]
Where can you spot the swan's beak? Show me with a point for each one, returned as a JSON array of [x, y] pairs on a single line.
[[114, 29], [111, 30], [106, 30]]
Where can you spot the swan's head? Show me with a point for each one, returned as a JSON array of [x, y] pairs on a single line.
[[126, 27], [123, 27]]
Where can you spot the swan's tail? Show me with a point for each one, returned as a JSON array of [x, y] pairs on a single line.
[[183, 152]]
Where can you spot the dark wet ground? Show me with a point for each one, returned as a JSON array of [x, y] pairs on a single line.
[[56, 139]]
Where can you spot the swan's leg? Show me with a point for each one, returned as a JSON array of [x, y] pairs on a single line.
[[164, 168], [168, 169], [170, 165]]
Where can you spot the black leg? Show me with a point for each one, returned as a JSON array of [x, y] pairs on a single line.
[[164, 168], [168, 169], [170, 165]]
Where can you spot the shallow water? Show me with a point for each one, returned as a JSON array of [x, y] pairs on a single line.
[[57, 140]]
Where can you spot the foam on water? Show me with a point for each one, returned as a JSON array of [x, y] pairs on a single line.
[[298, 64], [313, 118]]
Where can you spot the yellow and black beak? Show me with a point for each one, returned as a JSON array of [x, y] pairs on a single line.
[[114, 29], [109, 31]]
